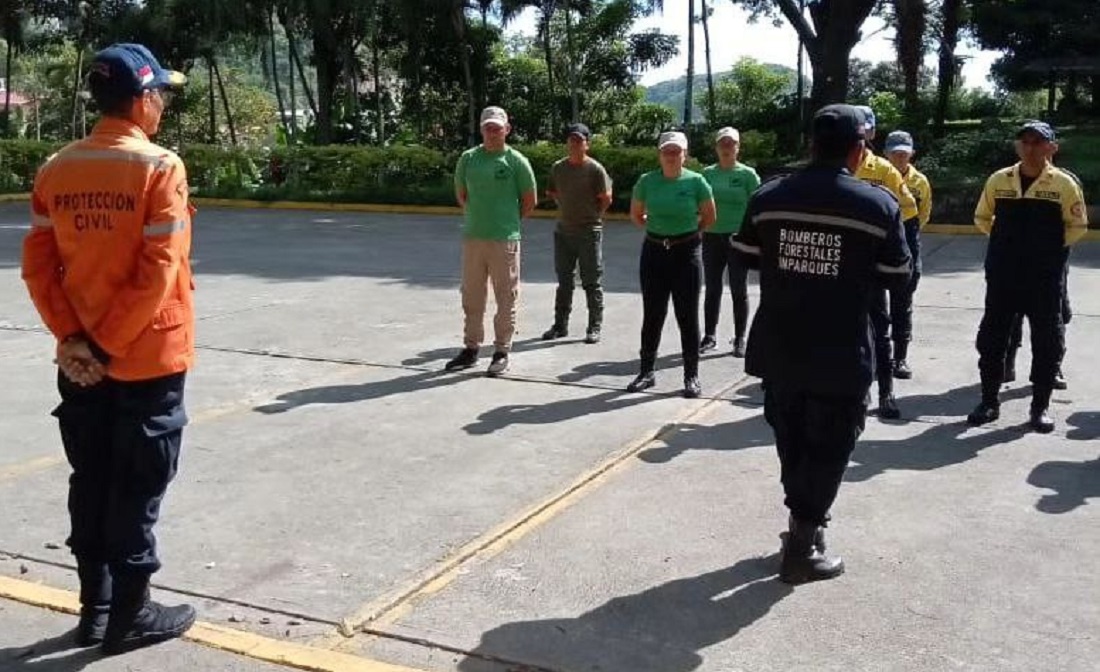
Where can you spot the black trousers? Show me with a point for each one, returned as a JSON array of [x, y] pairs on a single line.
[[1041, 303], [720, 260], [1017, 337], [814, 435], [122, 440], [892, 316], [676, 272], [578, 250]]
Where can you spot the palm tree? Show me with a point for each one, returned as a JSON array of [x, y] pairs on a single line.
[[689, 87], [706, 10], [911, 23], [949, 38], [510, 11], [11, 28]]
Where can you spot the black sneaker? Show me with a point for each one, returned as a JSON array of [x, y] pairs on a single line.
[[888, 407], [499, 364], [1041, 421], [707, 344], [554, 332], [464, 360], [984, 413], [1060, 380], [739, 347], [692, 388], [644, 381], [902, 370], [592, 336]]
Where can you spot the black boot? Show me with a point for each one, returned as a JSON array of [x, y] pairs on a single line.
[[887, 404], [802, 561], [595, 315], [136, 621], [1040, 419], [819, 534], [901, 366], [95, 602]]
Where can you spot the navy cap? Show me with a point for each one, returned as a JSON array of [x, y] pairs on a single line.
[[899, 141], [578, 129], [129, 70], [838, 124], [1045, 130]]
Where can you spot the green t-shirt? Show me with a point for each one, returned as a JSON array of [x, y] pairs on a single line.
[[494, 183], [732, 189], [672, 204]]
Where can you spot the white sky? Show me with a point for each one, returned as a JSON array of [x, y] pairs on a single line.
[[732, 36]]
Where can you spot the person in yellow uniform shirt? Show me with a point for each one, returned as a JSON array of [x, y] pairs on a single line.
[[876, 170], [899, 151], [1032, 212]]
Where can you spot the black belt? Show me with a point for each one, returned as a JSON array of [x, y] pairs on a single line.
[[675, 240]]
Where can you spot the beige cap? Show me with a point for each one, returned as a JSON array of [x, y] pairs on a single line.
[[728, 132], [494, 115], [673, 138]]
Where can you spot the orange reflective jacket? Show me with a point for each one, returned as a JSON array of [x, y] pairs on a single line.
[[107, 255]]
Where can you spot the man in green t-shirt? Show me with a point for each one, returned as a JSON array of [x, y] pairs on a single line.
[[582, 189], [495, 187], [733, 183]]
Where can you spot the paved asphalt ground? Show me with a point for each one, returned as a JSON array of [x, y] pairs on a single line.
[[335, 479]]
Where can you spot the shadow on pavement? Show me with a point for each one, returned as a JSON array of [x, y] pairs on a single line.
[[348, 394], [45, 656], [1073, 483], [625, 368], [751, 432], [1086, 426], [555, 411], [661, 629]]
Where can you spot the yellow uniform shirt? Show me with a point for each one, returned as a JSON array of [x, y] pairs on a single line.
[[921, 189], [874, 169], [1055, 194]]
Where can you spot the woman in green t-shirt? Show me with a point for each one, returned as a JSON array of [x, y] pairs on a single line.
[[673, 205], [733, 183]]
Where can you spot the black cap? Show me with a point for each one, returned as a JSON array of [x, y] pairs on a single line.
[[578, 129], [1045, 130], [838, 124]]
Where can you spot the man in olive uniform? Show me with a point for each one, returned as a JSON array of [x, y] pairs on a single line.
[[582, 189]]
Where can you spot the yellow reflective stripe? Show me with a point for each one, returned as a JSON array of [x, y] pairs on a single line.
[[41, 221], [160, 162], [164, 229]]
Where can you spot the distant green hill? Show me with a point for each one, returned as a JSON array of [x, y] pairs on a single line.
[[671, 93]]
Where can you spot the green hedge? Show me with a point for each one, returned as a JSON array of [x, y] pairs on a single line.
[[406, 175]]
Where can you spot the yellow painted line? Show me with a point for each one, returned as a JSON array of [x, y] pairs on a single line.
[[17, 471], [247, 644], [391, 606], [14, 198]]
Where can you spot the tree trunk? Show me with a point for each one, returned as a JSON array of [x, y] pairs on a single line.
[[548, 55], [212, 107], [949, 40], [571, 58], [910, 47], [458, 21], [352, 69], [293, 91], [297, 65], [711, 108], [6, 118], [376, 74], [275, 79], [225, 102], [327, 71], [77, 78], [689, 88]]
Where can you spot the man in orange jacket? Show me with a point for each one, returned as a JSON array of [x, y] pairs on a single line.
[[106, 264]]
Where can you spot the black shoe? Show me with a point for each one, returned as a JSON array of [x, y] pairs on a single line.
[[95, 602], [1060, 380], [739, 347], [555, 332], [592, 335], [707, 344], [1010, 374], [464, 360], [1041, 421], [499, 364], [644, 381], [819, 535], [802, 562], [136, 621], [692, 388], [984, 413], [888, 407], [902, 370]]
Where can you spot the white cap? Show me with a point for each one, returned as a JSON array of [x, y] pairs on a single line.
[[728, 132], [673, 138], [494, 115]]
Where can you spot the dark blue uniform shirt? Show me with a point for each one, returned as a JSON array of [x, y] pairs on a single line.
[[824, 243]]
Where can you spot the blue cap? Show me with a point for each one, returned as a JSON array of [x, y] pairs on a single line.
[[868, 117], [899, 141], [129, 70], [1045, 130], [841, 124]]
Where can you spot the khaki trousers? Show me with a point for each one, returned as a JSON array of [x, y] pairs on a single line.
[[485, 261]]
